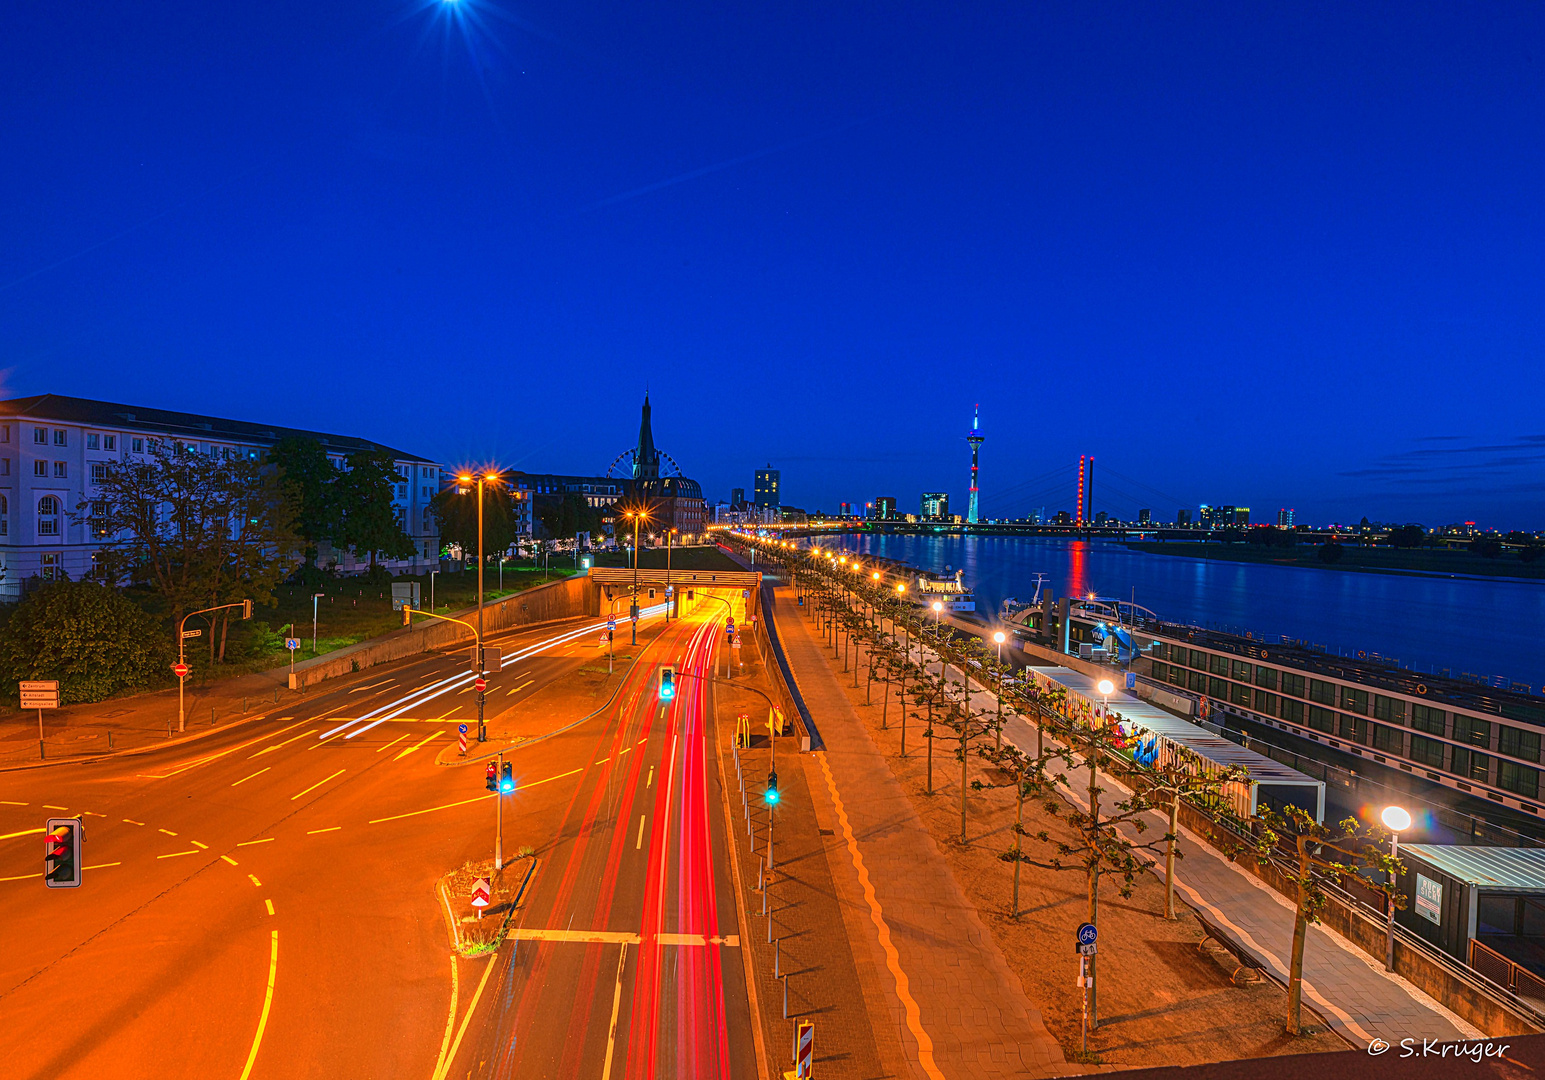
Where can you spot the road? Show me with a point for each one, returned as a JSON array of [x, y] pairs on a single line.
[[260, 901], [627, 963]]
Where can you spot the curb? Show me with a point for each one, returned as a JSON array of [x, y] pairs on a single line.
[[109, 755]]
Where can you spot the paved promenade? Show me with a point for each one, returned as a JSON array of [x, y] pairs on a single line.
[[937, 984]]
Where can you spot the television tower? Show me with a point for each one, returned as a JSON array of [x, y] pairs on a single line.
[[976, 439]]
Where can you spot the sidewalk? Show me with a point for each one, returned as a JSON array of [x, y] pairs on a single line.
[[934, 978], [1348, 988]]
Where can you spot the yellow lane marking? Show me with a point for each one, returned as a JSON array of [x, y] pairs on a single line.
[[604, 937], [286, 742], [92, 813], [624, 750], [270, 905], [447, 716], [239, 746], [265, 840], [372, 686], [318, 784], [404, 753], [126, 821], [8, 802], [472, 1008], [877, 916], [196, 844], [255, 881], [228, 859], [50, 806], [101, 865], [638, 844], [168, 832], [611, 1032], [260, 772], [650, 782], [521, 687], [268, 1001], [450, 1020], [464, 802], [330, 828], [732, 940], [393, 743], [39, 873], [173, 855], [24, 832]]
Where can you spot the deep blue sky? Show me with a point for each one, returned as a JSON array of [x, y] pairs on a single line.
[[1286, 258]]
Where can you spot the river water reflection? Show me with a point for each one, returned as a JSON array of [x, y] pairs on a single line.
[[1488, 627]]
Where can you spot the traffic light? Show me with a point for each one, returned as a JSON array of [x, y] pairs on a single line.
[[507, 781], [492, 779], [771, 795], [667, 683], [61, 862], [246, 609]]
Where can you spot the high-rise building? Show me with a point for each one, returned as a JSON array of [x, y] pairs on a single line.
[[885, 507], [936, 505], [1182, 517], [1285, 518], [844, 509], [766, 489], [975, 438], [1240, 516], [1145, 517], [737, 496], [1205, 517]]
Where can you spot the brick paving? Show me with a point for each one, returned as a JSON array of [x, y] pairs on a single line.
[[935, 980]]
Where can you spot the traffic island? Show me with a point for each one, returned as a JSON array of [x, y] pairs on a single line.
[[479, 901]]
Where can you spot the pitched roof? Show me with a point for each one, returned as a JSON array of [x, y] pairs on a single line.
[[106, 414]]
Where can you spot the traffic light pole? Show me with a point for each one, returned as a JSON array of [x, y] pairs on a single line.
[[245, 605], [499, 815]]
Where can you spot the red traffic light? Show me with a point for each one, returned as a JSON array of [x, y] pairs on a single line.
[[480, 684]]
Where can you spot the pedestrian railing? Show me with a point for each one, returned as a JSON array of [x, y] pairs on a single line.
[[1512, 977]]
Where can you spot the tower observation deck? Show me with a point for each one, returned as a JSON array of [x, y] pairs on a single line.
[[975, 438]]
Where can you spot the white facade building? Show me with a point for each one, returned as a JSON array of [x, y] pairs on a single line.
[[51, 448]]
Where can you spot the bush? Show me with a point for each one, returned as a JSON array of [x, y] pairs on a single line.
[[1488, 547], [1330, 552], [1530, 552], [310, 578], [88, 636], [378, 576]]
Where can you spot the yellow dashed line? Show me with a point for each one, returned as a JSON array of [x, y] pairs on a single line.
[[270, 905], [260, 772], [168, 832], [127, 821], [196, 844], [255, 881], [330, 828], [8, 802], [50, 806], [228, 859], [877, 916], [318, 784], [173, 855], [427, 738], [24, 832], [265, 840], [393, 743], [268, 1002]]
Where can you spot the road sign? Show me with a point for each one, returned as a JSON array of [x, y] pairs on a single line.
[[745, 594], [40, 694], [480, 893], [180, 670], [1087, 933], [670, 590], [479, 684], [292, 643], [461, 728], [729, 622], [192, 633], [461, 740], [1086, 950], [804, 1049], [611, 624]]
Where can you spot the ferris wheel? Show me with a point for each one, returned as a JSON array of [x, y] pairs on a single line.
[[628, 457]]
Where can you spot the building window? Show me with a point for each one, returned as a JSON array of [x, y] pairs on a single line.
[[1292, 684], [98, 519], [50, 567], [402, 491], [61, 437], [98, 472], [40, 435], [5, 432], [1265, 676], [1516, 742], [93, 442], [40, 467], [109, 442], [1469, 764], [1425, 751], [5, 516], [138, 446], [1519, 779], [5, 466], [1391, 709], [428, 521], [48, 516], [1469, 730], [61, 470], [1426, 718]]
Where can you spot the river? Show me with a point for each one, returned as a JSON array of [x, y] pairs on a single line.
[[1483, 626]]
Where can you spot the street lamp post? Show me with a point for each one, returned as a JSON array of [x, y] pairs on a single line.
[[314, 598], [999, 638], [432, 574], [1397, 821], [246, 613]]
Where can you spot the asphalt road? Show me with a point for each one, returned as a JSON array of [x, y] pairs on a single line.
[[626, 962], [260, 901]]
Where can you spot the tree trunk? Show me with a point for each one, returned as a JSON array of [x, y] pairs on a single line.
[[885, 702], [1300, 933], [963, 733], [928, 734], [225, 628], [1094, 877], [1019, 818], [1169, 856]]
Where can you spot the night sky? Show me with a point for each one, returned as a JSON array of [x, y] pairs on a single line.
[[1270, 258]]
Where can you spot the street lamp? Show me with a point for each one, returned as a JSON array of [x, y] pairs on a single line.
[[314, 598], [937, 608], [1397, 821], [638, 517], [481, 479], [1106, 689]]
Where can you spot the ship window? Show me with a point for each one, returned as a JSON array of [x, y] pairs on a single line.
[[1519, 779], [1266, 676], [1160, 672], [1468, 763], [1468, 729], [1323, 692], [1266, 703], [1426, 718], [1321, 719], [1198, 682], [1241, 672], [1293, 711], [1516, 742], [1352, 728], [1217, 688], [1387, 739], [1428, 752], [1392, 709], [1240, 694], [1292, 684], [1354, 700], [1219, 665]]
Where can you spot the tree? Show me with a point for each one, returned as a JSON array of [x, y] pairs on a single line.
[[368, 522], [1488, 547], [197, 530], [89, 636], [568, 517], [1330, 552], [455, 510], [1337, 850], [310, 481], [1407, 536]]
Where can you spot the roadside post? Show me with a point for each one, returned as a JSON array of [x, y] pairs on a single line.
[[292, 643], [180, 669], [611, 636], [1085, 947], [461, 738], [40, 694], [479, 684], [481, 894], [804, 1050]]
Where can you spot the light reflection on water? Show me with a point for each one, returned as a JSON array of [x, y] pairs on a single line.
[[1481, 626]]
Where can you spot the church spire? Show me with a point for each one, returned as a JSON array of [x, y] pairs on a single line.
[[646, 459]]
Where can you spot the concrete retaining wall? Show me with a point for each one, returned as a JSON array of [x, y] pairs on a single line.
[[565, 599]]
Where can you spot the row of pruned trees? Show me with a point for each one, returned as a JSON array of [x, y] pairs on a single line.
[[1111, 834]]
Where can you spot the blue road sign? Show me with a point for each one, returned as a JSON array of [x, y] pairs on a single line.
[[1131, 680], [292, 643], [461, 728], [1087, 932], [611, 624]]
